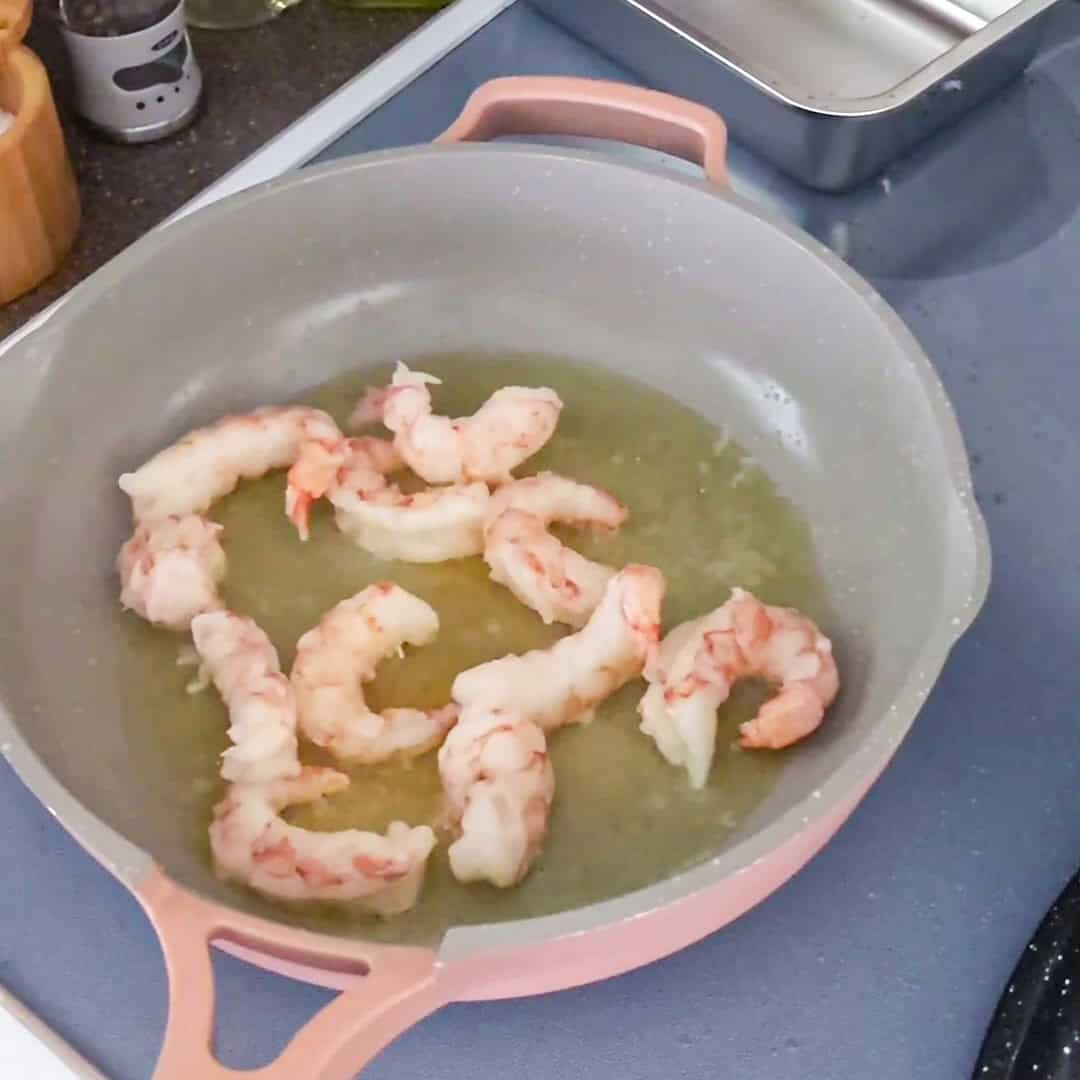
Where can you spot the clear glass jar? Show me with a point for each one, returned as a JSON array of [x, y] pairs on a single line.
[[395, 4], [398, 5], [234, 14]]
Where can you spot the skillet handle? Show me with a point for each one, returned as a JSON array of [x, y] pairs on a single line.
[[553, 105], [387, 990]]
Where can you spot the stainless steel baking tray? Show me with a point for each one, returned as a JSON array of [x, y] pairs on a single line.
[[831, 91]]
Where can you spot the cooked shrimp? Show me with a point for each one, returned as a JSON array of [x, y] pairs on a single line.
[[429, 526], [323, 465], [206, 464], [253, 845], [499, 785], [553, 497], [557, 582], [170, 570], [564, 684], [244, 665], [699, 662], [368, 411], [341, 653], [511, 426]]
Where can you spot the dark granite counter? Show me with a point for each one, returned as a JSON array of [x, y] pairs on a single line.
[[257, 82]]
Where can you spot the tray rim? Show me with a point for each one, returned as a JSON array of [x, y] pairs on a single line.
[[893, 99]]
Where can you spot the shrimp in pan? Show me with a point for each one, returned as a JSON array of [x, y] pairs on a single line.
[[511, 426], [171, 567], [499, 785], [324, 465], [243, 664], [543, 573], [429, 526], [171, 570], [699, 662], [564, 684], [341, 653], [252, 844], [187, 477]]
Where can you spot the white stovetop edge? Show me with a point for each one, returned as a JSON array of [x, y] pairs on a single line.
[[30, 1050], [23, 1054]]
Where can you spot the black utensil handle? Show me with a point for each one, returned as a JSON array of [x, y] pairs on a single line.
[[1036, 1028]]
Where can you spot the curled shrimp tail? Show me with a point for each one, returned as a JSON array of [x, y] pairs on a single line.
[[790, 716], [512, 425], [325, 466], [252, 844], [368, 411], [698, 663], [371, 408], [310, 478]]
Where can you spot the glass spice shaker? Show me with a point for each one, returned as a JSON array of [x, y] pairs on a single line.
[[136, 77]]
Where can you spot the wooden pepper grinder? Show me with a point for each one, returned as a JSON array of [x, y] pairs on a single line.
[[39, 199]]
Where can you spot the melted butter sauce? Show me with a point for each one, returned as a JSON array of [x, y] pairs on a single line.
[[700, 510]]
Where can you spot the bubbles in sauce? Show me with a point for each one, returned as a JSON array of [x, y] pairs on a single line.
[[700, 509]]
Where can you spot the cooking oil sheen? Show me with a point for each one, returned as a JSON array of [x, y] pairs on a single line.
[[700, 509]]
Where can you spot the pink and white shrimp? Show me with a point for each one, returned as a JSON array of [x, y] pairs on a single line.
[[427, 526], [171, 570], [565, 683], [324, 465], [435, 525], [511, 426], [208, 463], [557, 582], [172, 566], [341, 653], [244, 666], [252, 844], [699, 662], [499, 785]]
